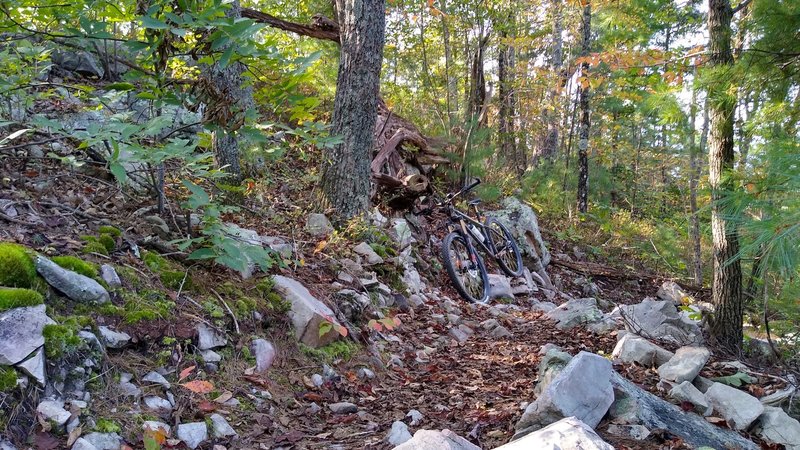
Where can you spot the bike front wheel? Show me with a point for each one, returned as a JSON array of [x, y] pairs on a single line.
[[465, 268], [505, 248]]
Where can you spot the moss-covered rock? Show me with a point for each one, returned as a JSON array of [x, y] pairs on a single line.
[[8, 378], [17, 268], [78, 265], [11, 298]]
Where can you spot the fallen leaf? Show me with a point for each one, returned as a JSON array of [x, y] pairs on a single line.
[[224, 397], [199, 386], [185, 372]]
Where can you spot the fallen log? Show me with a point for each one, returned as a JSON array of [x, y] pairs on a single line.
[[600, 270]]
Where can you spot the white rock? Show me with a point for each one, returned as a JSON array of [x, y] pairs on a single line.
[[777, 427], [567, 433], [208, 338], [264, 353], [398, 434], [21, 333], [74, 285], [104, 441], [160, 405], [83, 444], [672, 292], [415, 416], [307, 313], [687, 392], [157, 378], [109, 275], [36, 367], [192, 434], [437, 440], [53, 411], [112, 338], [368, 253], [500, 286], [582, 389], [738, 408], [632, 348], [685, 365], [575, 312], [638, 432], [660, 320], [155, 425], [343, 408], [220, 427], [210, 356]]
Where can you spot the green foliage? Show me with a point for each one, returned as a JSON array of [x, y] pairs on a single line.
[[11, 298], [78, 265], [107, 426], [60, 339], [17, 268], [337, 350], [736, 380], [8, 378]]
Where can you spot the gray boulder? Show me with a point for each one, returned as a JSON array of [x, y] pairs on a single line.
[[364, 249], [104, 441], [567, 433], [307, 313], [660, 320], [685, 364], [82, 63], [551, 364], [192, 434], [777, 427], [672, 292], [738, 408], [81, 444], [583, 389], [687, 392], [521, 220], [500, 286], [318, 225], [636, 349], [35, 367], [437, 440], [575, 312], [74, 285], [21, 332], [634, 405]]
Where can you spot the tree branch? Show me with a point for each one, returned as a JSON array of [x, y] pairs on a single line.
[[321, 28], [741, 6]]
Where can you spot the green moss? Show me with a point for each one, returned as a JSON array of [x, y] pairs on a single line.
[[16, 298], [8, 378], [130, 277], [155, 262], [78, 265], [173, 278], [108, 242], [148, 305], [17, 268], [95, 247], [60, 339], [213, 309], [107, 426], [275, 302], [88, 238], [109, 230], [341, 349]]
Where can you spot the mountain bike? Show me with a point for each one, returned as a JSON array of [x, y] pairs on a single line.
[[465, 267]]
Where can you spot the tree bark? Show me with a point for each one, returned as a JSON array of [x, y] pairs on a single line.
[[506, 113], [694, 172], [546, 148], [726, 323], [583, 142], [228, 98], [346, 173]]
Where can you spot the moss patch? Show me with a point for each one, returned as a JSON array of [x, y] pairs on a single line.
[[17, 268], [60, 339], [109, 230], [95, 247], [108, 242], [107, 426], [78, 265], [167, 272], [341, 349], [8, 378], [274, 301], [16, 298]]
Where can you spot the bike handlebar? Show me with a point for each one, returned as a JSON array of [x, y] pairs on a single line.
[[449, 198]]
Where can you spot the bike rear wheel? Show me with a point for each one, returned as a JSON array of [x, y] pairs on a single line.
[[465, 268], [506, 251]]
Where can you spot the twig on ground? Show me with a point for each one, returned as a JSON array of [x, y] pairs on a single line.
[[233, 316]]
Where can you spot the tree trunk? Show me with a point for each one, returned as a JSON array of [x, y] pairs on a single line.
[[228, 97], [452, 83], [583, 143], [726, 324], [505, 117], [346, 172], [546, 149], [694, 172]]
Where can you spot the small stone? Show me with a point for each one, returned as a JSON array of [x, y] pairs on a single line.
[[220, 427], [113, 339], [638, 432], [500, 333], [129, 389], [685, 364], [210, 356], [317, 380], [777, 427], [264, 353], [74, 285], [109, 275], [632, 348], [365, 373], [313, 408], [53, 411], [345, 277], [35, 367], [343, 408], [157, 378], [458, 335], [80, 444], [738, 408], [21, 333], [416, 300], [154, 425], [158, 404], [415, 416], [192, 434], [398, 434], [368, 253], [687, 392], [104, 441], [500, 286], [318, 225], [208, 338]]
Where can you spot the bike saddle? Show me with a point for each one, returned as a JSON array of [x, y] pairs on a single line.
[[475, 202]]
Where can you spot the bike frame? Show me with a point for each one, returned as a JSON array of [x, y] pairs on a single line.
[[461, 219]]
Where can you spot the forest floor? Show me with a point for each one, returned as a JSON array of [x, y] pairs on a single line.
[[477, 389]]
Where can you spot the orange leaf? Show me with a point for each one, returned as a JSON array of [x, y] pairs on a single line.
[[199, 386], [185, 372], [320, 246]]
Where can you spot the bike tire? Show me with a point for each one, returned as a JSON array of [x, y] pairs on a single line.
[[478, 296], [510, 244]]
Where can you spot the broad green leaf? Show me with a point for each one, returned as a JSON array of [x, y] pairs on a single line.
[[153, 23]]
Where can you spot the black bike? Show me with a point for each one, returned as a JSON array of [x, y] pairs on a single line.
[[464, 266]]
